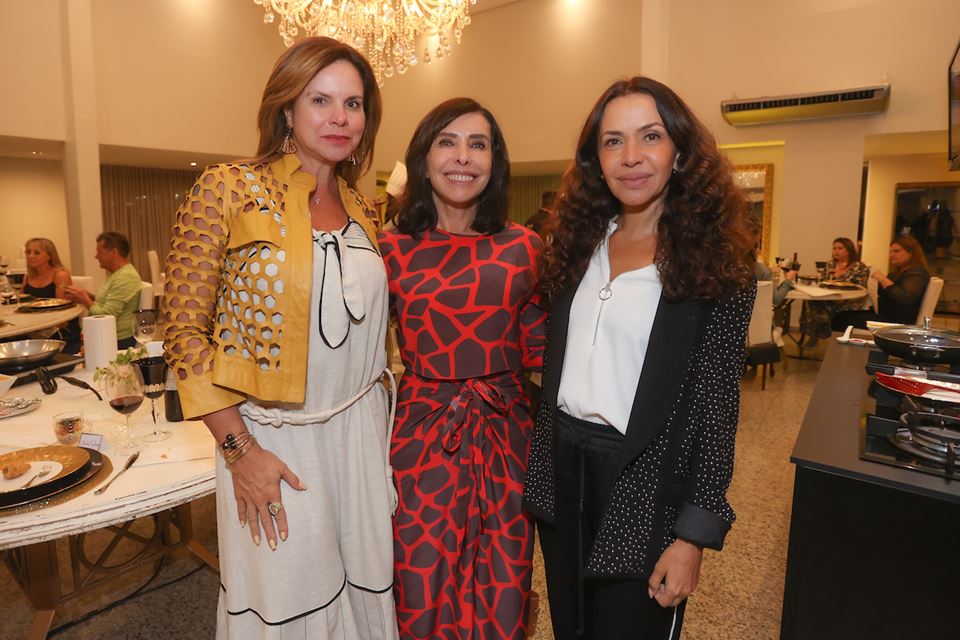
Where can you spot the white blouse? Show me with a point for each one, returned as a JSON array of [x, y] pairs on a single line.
[[607, 337]]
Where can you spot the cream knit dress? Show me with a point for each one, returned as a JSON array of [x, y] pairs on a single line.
[[333, 576]]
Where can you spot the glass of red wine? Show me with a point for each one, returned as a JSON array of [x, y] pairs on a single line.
[[153, 371], [124, 390]]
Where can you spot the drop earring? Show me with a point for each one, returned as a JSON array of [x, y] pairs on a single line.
[[288, 145]]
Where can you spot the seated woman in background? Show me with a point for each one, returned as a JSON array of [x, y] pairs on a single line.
[[900, 293], [844, 267], [46, 277]]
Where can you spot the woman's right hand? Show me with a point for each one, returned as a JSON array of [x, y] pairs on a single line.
[[256, 484]]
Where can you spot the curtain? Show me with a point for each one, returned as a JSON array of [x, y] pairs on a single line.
[[525, 193], [142, 204]]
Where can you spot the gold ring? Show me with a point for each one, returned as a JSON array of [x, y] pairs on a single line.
[[275, 508]]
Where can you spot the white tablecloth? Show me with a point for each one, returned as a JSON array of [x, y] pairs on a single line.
[[144, 489]]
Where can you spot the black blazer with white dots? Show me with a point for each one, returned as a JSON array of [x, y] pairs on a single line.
[[676, 461]]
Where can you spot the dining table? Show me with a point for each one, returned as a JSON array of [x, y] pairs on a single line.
[[817, 293], [16, 320], [160, 484]]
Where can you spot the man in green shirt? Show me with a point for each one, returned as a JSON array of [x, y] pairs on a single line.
[[120, 294]]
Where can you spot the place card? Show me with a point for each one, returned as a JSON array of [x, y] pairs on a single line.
[[91, 441]]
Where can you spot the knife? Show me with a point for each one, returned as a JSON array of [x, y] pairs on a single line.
[[919, 387], [126, 465], [77, 382]]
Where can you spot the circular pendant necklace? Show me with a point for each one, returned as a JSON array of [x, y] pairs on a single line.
[[605, 292]]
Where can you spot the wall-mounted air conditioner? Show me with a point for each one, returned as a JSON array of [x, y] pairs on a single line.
[[807, 106]]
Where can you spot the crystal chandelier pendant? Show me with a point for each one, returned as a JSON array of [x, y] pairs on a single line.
[[387, 32]]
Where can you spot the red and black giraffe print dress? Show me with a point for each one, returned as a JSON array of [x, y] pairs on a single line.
[[468, 323]]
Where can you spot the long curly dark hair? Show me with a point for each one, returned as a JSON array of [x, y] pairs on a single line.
[[705, 249], [417, 212]]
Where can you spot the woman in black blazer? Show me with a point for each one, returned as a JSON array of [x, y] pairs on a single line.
[[649, 276]]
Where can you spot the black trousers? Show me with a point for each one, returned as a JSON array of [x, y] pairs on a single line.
[[592, 609]]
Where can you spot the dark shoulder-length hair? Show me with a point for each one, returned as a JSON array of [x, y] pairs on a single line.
[[705, 248], [852, 254], [291, 74], [417, 212], [913, 247]]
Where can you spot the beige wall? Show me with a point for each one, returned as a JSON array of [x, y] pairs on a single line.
[[885, 174], [33, 204], [752, 48], [31, 67], [181, 74]]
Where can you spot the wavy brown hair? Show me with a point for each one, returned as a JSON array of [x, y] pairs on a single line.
[[291, 74], [917, 257], [417, 212], [705, 248]]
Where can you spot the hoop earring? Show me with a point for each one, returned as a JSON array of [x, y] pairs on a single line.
[[288, 145]]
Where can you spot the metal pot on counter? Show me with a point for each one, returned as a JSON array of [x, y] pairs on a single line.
[[21, 354], [920, 345]]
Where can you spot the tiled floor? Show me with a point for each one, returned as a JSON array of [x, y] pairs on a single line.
[[739, 594]]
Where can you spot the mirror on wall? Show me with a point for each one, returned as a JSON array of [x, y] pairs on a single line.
[[929, 212], [757, 182]]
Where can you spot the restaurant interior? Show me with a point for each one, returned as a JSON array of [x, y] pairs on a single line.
[[112, 107]]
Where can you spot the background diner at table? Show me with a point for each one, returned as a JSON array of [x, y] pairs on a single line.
[[900, 293]]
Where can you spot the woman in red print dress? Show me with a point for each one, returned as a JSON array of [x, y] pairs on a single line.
[[461, 282]]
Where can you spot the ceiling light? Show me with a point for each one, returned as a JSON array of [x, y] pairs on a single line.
[[386, 31]]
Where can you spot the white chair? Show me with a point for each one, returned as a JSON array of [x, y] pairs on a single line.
[[762, 351], [84, 282], [872, 287], [146, 296], [156, 276], [930, 297]]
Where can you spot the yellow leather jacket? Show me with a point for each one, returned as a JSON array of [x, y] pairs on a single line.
[[236, 301]]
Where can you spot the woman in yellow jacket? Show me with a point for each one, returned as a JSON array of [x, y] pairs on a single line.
[[275, 307]]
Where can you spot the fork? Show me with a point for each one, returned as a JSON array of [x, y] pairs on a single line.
[[44, 472]]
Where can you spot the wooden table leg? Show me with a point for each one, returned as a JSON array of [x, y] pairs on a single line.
[[41, 624], [36, 570]]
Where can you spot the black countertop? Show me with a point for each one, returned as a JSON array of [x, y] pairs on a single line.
[[829, 438]]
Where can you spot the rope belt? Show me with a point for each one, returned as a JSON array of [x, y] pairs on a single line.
[[274, 417]]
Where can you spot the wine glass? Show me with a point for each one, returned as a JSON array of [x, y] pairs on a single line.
[[124, 390], [145, 325], [153, 370]]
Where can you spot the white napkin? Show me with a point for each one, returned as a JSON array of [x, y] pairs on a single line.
[[180, 453]]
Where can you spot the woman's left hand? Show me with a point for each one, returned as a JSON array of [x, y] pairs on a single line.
[[878, 275], [676, 574]]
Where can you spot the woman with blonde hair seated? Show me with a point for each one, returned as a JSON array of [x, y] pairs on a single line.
[[46, 277]]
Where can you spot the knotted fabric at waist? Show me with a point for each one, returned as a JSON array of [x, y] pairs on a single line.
[[473, 398], [277, 417]]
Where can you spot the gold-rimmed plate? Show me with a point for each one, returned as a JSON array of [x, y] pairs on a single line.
[[45, 304], [73, 462], [95, 471]]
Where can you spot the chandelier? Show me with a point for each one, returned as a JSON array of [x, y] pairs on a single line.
[[387, 32]]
